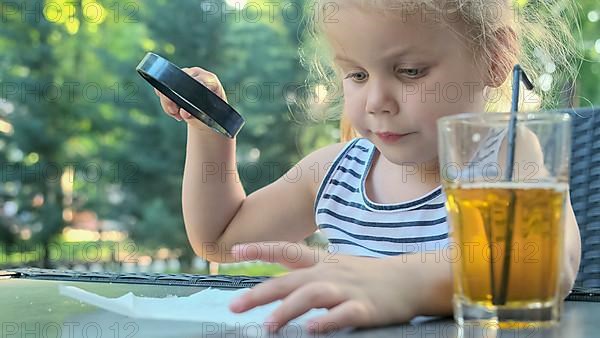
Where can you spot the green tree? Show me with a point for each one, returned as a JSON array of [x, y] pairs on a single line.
[[589, 74], [66, 108]]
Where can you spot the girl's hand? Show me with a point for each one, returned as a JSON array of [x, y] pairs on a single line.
[[208, 79], [358, 291]]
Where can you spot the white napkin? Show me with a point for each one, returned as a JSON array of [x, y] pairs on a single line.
[[207, 306]]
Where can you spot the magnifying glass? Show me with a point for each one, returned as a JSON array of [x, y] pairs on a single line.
[[190, 95]]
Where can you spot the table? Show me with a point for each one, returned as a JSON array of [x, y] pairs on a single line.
[[31, 306]]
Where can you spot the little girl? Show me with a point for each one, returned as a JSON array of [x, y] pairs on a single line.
[[401, 65]]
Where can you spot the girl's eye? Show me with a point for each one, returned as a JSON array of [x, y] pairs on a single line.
[[357, 76], [413, 73]]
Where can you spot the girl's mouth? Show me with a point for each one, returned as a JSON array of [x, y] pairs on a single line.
[[389, 137]]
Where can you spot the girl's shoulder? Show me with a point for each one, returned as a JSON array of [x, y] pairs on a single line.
[[317, 163]]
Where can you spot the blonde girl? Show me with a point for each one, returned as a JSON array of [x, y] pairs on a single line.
[[400, 65]]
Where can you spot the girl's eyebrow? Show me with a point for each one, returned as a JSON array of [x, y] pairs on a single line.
[[343, 59], [391, 54], [399, 52]]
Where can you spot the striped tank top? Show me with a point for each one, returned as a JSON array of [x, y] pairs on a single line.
[[355, 225]]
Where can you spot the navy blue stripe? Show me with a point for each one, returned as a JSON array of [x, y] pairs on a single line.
[[489, 143], [431, 206], [407, 205], [356, 159], [342, 201], [382, 224], [480, 159], [402, 240], [366, 150], [346, 203], [398, 206], [498, 133], [349, 171], [343, 241], [344, 184], [331, 171]]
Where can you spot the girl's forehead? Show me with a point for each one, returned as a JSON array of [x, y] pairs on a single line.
[[429, 9], [432, 14], [353, 30]]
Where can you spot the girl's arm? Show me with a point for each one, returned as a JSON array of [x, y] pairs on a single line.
[[358, 291], [530, 151], [572, 250], [216, 210]]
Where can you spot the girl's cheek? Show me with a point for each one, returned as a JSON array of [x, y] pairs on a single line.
[[354, 120], [348, 93], [353, 107]]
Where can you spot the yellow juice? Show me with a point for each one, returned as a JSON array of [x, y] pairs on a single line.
[[509, 241]]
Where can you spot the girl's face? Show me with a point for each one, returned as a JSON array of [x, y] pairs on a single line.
[[400, 74]]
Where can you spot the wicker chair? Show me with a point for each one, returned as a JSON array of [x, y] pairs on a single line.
[[585, 191]]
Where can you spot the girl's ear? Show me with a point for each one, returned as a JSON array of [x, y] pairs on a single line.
[[503, 50]]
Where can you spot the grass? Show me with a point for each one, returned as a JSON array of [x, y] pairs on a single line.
[[90, 252], [254, 269], [62, 253]]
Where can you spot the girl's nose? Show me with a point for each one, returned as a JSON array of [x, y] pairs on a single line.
[[380, 99]]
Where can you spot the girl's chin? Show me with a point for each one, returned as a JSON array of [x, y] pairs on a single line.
[[408, 156]]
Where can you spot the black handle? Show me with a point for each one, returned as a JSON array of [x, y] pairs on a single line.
[[190, 95]]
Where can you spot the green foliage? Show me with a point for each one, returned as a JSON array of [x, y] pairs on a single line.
[[126, 155], [588, 93]]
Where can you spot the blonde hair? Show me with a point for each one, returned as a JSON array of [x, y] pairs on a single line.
[[536, 34]]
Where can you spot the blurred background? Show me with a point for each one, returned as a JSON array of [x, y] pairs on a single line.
[[91, 168]]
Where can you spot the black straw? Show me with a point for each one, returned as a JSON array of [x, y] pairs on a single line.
[[518, 75]]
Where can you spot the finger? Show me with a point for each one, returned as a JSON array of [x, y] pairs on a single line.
[[312, 295], [290, 255], [183, 113], [208, 79], [269, 291], [169, 106], [193, 71], [205, 77], [348, 314]]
